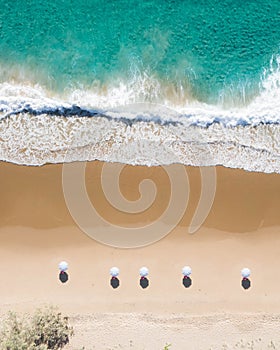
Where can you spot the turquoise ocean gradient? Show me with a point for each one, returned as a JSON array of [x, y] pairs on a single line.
[[214, 50]]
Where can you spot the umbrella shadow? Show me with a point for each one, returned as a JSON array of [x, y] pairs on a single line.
[[246, 283], [115, 282], [144, 282], [63, 276], [187, 281]]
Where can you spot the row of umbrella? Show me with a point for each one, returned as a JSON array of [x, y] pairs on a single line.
[[144, 272]]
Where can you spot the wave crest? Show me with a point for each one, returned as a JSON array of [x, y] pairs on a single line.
[[37, 127]]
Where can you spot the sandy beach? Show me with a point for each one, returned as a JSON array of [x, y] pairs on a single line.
[[241, 230]]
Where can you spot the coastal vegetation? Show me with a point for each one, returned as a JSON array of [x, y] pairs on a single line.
[[45, 329]]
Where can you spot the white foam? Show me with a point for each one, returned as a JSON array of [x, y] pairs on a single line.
[[143, 89], [36, 140], [245, 137]]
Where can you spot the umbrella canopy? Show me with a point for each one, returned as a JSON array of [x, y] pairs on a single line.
[[144, 271], [114, 271], [186, 271], [245, 272], [63, 266]]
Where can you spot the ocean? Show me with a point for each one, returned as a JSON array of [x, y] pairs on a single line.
[[151, 82]]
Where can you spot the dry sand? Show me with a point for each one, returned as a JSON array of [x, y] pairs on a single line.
[[242, 230]]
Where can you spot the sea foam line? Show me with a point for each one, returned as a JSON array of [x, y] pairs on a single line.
[[41, 139], [123, 101], [37, 128]]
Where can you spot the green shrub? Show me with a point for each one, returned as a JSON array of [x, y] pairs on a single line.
[[47, 329], [15, 334]]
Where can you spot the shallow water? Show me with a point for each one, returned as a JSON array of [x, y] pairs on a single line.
[[128, 67]]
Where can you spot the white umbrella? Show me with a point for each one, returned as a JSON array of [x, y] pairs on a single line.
[[114, 271], [63, 266], [245, 272], [144, 271], [186, 271]]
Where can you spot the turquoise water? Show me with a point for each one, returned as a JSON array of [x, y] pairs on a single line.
[[211, 51]]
